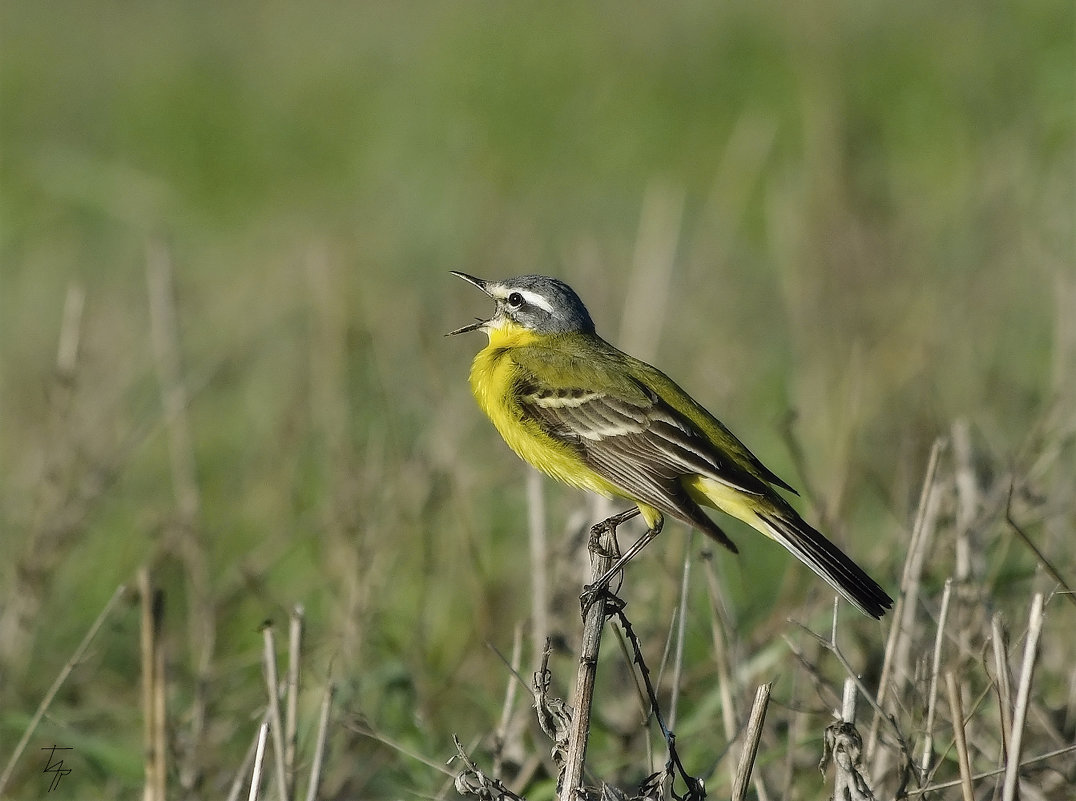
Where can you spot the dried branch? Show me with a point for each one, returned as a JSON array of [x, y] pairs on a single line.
[[752, 737]]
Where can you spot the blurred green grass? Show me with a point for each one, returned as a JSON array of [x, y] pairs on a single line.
[[877, 217]]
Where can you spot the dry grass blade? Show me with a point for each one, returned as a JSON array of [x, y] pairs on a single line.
[[259, 756], [752, 737], [719, 631], [928, 740], [510, 691], [273, 685], [539, 553], [76, 657], [291, 719], [239, 781], [1002, 680], [1046, 563], [1034, 629], [153, 695], [956, 711], [319, 747], [903, 617], [681, 625], [933, 788], [188, 542]]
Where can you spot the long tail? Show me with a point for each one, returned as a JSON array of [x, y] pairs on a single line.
[[827, 560]]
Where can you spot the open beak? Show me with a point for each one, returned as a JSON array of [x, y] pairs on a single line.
[[478, 282]]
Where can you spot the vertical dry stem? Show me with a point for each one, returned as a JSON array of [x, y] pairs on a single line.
[[259, 756], [269, 660], [902, 623], [319, 747], [928, 739], [601, 560], [956, 711], [1031, 645], [752, 737], [164, 335], [153, 696], [539, 551]]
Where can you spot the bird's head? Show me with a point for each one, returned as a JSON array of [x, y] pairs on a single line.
[[530, 303]]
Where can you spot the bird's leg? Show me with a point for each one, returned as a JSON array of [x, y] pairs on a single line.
[[608, 526], [590, 592]]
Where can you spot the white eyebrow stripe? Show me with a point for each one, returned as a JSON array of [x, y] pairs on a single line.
[[534, 299]]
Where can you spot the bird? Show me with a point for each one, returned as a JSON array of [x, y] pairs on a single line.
[[595, 418]]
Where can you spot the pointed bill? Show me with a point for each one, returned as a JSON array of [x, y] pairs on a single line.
[[481, 284]]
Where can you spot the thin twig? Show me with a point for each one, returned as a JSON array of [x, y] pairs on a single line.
[[75, 659], [1069, 749], [1047, 565]]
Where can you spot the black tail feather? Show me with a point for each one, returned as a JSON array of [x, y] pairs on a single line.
[[812, 548]]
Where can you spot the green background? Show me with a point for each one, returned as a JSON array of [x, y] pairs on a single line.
[[857, 213]]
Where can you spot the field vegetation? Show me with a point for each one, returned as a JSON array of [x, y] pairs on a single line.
[[225, 236]]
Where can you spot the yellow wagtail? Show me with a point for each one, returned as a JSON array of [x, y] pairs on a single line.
[[587, 414]]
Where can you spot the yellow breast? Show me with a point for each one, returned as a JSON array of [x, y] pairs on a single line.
[[494, 377]]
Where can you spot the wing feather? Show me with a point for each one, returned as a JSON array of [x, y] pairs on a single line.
[[638, 443]]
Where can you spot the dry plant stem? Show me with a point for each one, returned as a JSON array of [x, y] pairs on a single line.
[[1027, 670], [752, 737], [76, 657], [153, 695], [319, 746], [967, 497], [259, 756], [164, 335], [678, 661], [472, 781], [1070, 749], [903, 617], [601, 559], [722, 661], [1002, 681], [843, 747], [49, 538], [956, 712], [928, 739], [240, 780], [539, 552], [272, 682], [501, 734], [291, 722], [1047, 565]]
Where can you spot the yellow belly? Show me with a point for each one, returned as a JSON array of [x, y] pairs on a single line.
[[493, 376]]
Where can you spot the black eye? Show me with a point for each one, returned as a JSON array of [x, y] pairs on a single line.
[[515, 300]]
